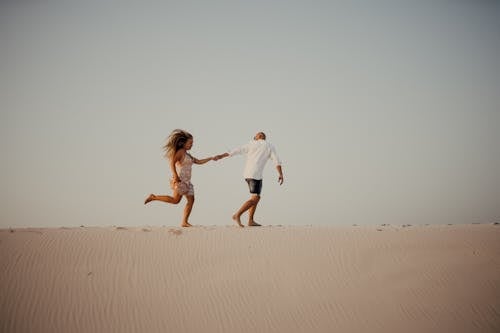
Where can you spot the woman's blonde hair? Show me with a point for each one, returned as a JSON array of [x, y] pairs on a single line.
[[176, 140]]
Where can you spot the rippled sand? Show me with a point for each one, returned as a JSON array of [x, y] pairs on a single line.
[[268, 279]]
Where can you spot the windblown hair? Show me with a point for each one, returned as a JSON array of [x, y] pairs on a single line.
[[176, 140]]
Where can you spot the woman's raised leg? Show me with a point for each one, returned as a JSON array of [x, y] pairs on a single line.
[[175, 199]]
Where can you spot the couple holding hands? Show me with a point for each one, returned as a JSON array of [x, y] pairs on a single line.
[[258, 152]]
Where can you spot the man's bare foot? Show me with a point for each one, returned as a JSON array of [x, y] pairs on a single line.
[[186, 225], [237, 220], [150, 198], [253, 224]]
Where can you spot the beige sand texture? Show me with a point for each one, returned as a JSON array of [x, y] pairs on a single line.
[[268, 279]]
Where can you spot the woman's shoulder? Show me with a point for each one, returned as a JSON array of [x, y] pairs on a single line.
[[179, 155]]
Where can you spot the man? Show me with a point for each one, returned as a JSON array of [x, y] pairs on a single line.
[[258, 152]]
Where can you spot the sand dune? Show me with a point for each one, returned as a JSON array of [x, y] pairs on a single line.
[[268, 279]]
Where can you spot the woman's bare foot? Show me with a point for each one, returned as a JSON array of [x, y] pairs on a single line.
[[253, 224], [186, 225], [236, 218], [150, 198]]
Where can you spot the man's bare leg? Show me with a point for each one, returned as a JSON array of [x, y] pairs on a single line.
[[187, 211], [246, 206], [237, 219], [251, 212]]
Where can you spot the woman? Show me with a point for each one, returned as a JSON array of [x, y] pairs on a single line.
[[176, 149]]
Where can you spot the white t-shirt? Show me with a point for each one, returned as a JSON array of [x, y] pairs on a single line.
[[258, 152]]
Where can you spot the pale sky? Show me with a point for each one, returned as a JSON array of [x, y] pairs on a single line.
[[382, 111]]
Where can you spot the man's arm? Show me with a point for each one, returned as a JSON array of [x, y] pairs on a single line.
[[236, 151], [280, 172], [277, 160]]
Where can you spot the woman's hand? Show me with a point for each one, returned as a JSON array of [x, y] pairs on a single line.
[[221, 156]]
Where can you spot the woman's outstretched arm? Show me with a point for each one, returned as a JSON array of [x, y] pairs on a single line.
[[202, 161], [218, 157]]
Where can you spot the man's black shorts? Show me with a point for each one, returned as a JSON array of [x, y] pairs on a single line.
[[254, 185]]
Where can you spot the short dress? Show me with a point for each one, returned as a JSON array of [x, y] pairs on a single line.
[[184, 187]]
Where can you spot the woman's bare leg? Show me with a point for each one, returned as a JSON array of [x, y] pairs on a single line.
[[175, 199], [187, 211]]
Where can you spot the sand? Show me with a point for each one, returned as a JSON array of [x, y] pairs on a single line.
[[263, 279]]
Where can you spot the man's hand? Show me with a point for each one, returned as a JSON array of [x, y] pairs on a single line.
[[280, 173]]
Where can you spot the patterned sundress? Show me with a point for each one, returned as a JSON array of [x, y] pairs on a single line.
[[184, 187]]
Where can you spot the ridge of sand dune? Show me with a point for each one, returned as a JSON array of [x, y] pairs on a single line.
[[268, 279]]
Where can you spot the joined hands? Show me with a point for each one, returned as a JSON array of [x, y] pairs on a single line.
[[218, 157]]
